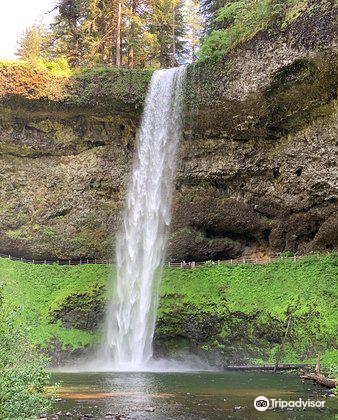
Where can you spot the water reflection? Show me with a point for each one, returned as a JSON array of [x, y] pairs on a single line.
[[184, 396]]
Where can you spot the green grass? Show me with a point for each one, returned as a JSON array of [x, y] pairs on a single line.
[[255, 300], [37, 289], [246, 305], [272, 287]]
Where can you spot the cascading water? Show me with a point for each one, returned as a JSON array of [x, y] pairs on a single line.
[[141, 243]]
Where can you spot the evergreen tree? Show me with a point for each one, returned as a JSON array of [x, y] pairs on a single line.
[[31, 44], [194, 26], [168, 25], [68, 36], [210, 10], [139, 42], [135, 33], [120, 32], [99, 28], [105, 30]]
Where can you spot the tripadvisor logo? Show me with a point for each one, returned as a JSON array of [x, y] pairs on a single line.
[[262, 403]]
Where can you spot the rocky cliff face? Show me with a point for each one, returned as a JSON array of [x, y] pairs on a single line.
[[256, 169], [62, 182], [263, 196]]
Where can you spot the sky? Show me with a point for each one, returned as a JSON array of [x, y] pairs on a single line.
[[15, 17]]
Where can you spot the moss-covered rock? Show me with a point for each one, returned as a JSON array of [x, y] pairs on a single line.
[[289, 89], [80, 310], [189, 244], [57, 134], [238, 312], [109, 89], [242, 311], [267, 196], [253, 173], [101, 88]]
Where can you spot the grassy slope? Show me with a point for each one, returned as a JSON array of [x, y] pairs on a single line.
[[38, 288], [254, 301], [255, 297]]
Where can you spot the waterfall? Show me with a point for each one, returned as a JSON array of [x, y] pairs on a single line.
[[141, 242]]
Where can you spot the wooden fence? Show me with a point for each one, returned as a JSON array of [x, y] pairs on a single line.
[[58, 262], [243, 260], [180, 265]]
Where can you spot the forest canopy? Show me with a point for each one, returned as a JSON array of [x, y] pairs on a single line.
[[152, 33]]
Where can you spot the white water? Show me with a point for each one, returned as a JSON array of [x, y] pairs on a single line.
[[141, 243]]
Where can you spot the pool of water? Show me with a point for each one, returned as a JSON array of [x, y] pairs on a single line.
[[185, 396]]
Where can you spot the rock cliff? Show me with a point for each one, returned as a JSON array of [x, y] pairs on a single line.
[[256, 170]]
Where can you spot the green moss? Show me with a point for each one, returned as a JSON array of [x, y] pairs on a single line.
[[238, 310], [245, 308], [40, 290], [101, 87], [18, 150], [60, 132], [104, 86], [22, 234], [240, 21], [87, 239], [294, 10]]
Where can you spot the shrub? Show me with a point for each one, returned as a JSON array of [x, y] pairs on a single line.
[[23, 376], [54, 81], [33, 82], [241, 20]]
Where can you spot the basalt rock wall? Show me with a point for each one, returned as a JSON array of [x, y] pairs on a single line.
[[256, 168]]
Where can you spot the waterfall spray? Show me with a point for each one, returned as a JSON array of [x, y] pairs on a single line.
[[140, 248]]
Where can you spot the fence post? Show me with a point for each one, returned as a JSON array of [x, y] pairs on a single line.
[[193, 264], [181, 264], [218, 262], [58, 262], [231, 262], [243, 260], [68, 262]]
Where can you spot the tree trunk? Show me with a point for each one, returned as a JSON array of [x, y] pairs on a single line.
[[173, 62], [131, 62], [131, 35], [118, 60], [281, 350], [318, 378], [321, 379], [193, 53], [317, 368]]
